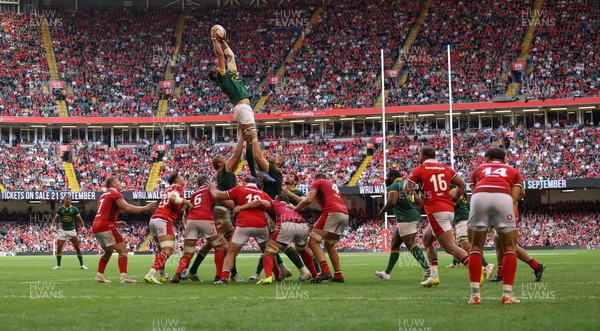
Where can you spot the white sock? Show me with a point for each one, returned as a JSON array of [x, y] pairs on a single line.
[[475, 289], [123, 276], [151, 273], [507, 290], [99, 275], [434, 271]]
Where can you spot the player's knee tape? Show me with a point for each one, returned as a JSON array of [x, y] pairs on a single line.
[[271, 249], [189, 249], [316, 236], [167, 243], [217, 242], [331, 241], [461, 240]]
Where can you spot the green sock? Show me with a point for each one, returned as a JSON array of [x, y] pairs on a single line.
[[259, 266], [250, 160], [199, 258], [58, 258], [317, 265], [278, 257], [80, 257], [418, 255], [294, 257], [455, 262], [483, 261], [394, 255]]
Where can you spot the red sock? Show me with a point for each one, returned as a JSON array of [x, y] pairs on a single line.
[[500, 271], [509, 262], [433, 262], [465, 261], [159, 261], [474, 266], [324, 267], [308, 262], [338, 275], [533, 264], [123, 264], [268, 265], [225, 274], [102, 264], [183, 263], [219, 258], [276, 271]]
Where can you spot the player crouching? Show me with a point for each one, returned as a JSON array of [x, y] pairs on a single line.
[[161, 225], [291, 228], [201, 223]]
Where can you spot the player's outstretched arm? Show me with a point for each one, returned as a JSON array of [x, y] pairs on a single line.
[[128, 208], [175, 198], [258, 156], [216, 193], [306, 201], [235, 158], [292, 195], [231, 65], [390, 203], [461, 186], [218, 52]]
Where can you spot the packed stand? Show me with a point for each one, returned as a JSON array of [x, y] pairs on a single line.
[[39, 237], [338, 63], [485, 37], [130, 165], [114, 59], [565, 52], [537, 153], [23, 67], [259, 39], [42, 173]]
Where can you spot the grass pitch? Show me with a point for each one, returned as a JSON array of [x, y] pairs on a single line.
[[34, 297]]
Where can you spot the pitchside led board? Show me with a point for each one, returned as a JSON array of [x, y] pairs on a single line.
[[345, 190]]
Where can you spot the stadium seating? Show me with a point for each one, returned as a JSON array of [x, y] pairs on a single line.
[[23, 69], [565, 54], [562, 224]]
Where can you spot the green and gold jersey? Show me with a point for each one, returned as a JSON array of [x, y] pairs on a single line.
[[273, 189], [232, 85], [297, 192], [67, 217], [405, 209], [461, 210], [226, 180]]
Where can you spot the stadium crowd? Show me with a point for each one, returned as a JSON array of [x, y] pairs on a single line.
[[562, 224], [539, 153], [113, 68]]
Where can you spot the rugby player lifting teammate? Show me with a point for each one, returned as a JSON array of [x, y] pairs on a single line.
[[227, 77]]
